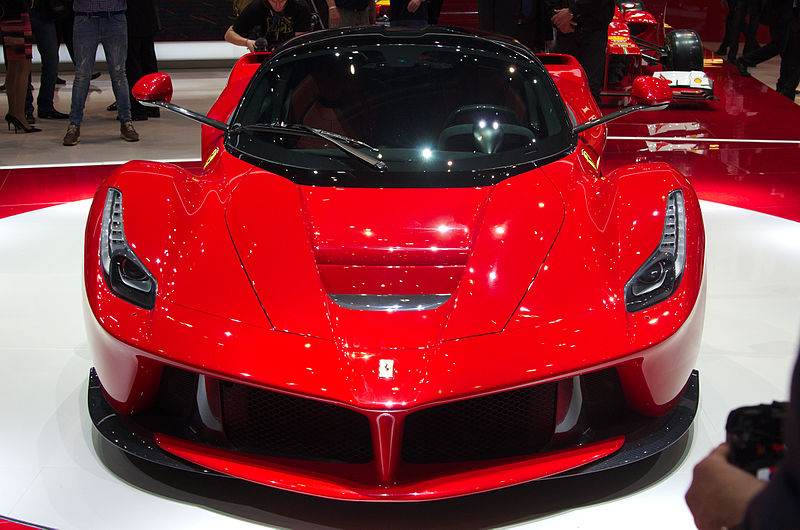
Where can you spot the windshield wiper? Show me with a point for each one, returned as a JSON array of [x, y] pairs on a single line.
[[342, 142]]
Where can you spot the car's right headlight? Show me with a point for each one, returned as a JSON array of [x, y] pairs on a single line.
[[658, 278], [124, 272]]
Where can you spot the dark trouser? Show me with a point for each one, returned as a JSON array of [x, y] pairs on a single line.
[[779, 32], [499, 16], [790, 63], [141, 60], [730, 25], [64, 30], [740, 10], [589, 48], [44, 31]]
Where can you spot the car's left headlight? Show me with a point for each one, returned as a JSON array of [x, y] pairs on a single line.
[[124, 272], [659, 277]]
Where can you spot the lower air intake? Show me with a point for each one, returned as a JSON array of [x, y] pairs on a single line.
[[512, 423], [274, 424]]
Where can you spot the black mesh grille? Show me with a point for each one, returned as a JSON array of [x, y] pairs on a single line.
[[274, 424], [511, 423], [176, 395], [604, 402]]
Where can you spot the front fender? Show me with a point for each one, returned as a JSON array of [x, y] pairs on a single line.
[[175, 223], [612, 226]]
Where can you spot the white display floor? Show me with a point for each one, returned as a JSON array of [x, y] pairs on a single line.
[[56, 471]]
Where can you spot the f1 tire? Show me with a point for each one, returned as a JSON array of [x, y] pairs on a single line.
[[684, 51]]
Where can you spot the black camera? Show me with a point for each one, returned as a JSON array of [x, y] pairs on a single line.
[[261, 45], [755, 435]]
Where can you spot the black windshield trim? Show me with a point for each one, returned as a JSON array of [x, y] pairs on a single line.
[[396, 179]]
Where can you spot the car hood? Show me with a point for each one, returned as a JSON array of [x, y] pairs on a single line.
[[442, 263]]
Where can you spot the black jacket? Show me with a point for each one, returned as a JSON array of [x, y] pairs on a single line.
[[591, 15]]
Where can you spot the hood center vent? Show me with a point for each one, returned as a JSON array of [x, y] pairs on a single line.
[[389, 302]]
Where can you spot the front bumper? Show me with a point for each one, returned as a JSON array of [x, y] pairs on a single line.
[[629, 438]]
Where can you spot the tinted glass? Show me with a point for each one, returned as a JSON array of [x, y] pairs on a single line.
[[426, 106]]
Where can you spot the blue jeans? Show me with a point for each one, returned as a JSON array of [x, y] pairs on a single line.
[[112, 32]]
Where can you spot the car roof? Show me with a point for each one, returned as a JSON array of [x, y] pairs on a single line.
[[453, 35]]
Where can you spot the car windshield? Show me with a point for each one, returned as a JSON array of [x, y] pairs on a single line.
[[437, 110]]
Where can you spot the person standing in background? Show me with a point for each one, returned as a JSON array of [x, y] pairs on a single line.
[[499, 16], [43, 23], [15, 27], [582, 31], [735, 25], [782, 27], [100, 22], [143, 23], [408, 13], [343, 13], [278, 20]]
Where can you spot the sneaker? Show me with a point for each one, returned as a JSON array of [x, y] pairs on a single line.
[[72, 136], [127, 132]]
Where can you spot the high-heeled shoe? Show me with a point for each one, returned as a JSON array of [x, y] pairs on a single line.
[[12, 120]]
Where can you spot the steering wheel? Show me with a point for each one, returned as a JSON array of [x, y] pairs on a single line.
[[488, 128], [485, 111]]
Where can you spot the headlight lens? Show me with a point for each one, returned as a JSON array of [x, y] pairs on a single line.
[[124, 272], [659, 277]]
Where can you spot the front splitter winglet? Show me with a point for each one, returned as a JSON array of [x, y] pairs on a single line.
[[651, 437], [123, 432]]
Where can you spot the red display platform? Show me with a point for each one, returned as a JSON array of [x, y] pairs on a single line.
[[30, 188], [10, 524], [742, 150]]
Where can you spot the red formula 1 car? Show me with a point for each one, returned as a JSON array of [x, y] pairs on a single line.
[[400, 276], [638, 46]]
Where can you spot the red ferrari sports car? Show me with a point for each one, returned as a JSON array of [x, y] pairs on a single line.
[[400, 275]]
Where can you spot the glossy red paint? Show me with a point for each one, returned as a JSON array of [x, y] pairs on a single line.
[[153, 87], [340, 365], [8, 524], [574, 89], [31, 188], [390, 279], [240, 75], [535, 270], [651, 91], [633, 16], [322, 481], [619, 32]]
